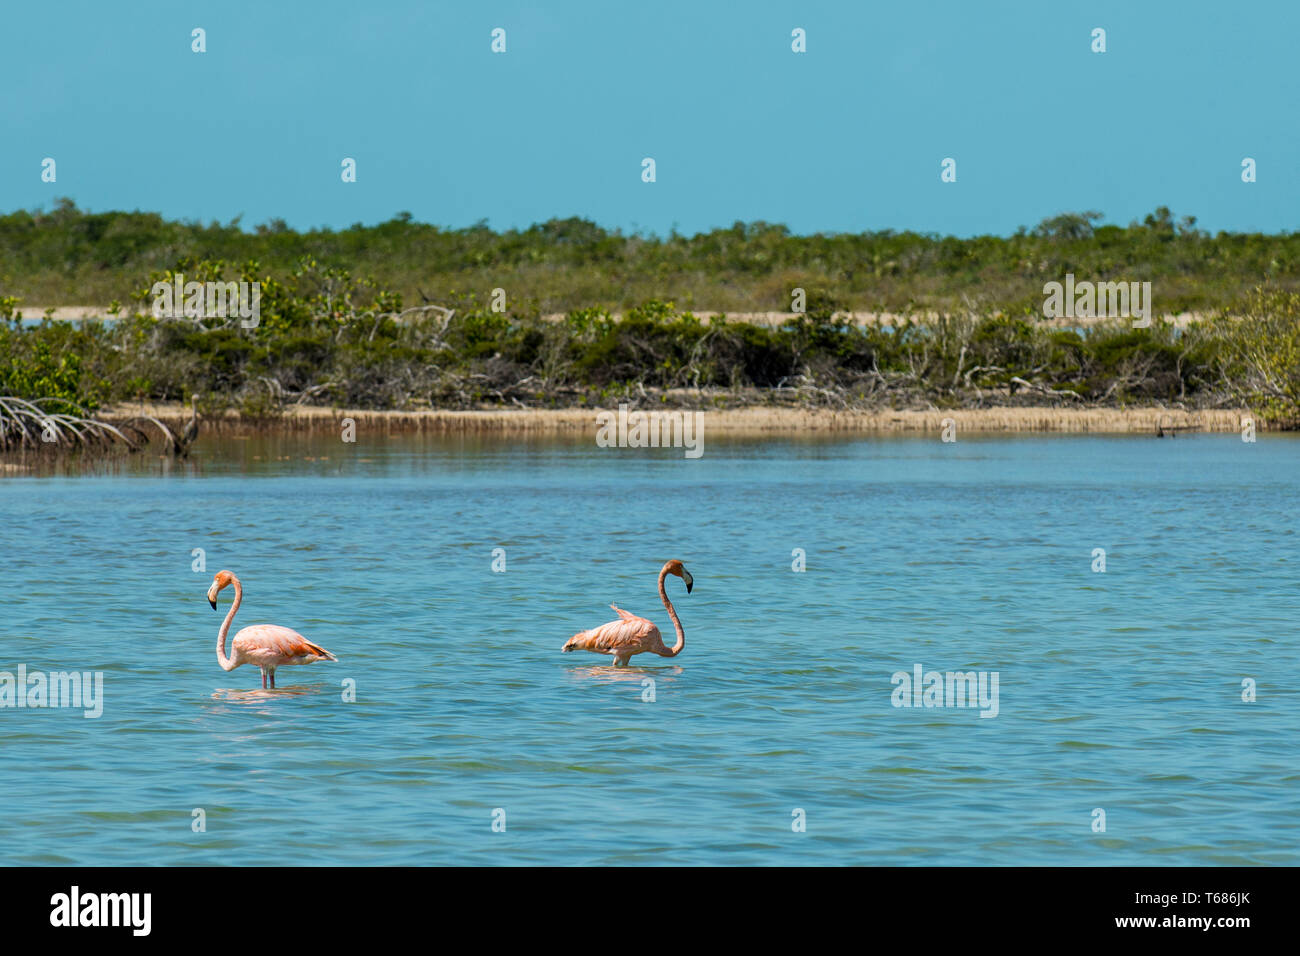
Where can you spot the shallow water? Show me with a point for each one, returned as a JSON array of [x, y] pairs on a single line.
[[1119, 690]]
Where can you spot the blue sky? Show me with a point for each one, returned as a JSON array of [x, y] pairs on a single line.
[[846, 137]]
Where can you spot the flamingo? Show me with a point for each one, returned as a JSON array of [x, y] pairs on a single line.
[[631, 634], [266, 645]]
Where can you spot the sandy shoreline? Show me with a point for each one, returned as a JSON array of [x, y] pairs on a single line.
[[739, 420]]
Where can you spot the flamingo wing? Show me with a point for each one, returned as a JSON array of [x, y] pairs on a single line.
[[625, 615], [273, 643], [627, 633]]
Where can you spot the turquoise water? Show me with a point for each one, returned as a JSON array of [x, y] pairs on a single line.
[[1119, 690]]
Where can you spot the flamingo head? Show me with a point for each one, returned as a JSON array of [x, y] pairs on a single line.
[[676, 567], [219, 580]]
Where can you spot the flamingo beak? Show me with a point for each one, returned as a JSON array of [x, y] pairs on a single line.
[[213, 602], [690, 581]]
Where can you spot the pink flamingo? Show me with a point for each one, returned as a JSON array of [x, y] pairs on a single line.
[[266, 645], [631, 634]]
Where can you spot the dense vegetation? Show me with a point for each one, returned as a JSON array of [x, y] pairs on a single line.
[[327, 337], [68, 256]]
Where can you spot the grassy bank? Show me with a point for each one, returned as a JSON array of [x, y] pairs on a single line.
[[328, 337], [331, 341]]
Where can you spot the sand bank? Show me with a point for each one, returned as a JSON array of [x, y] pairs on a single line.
[[738, 420]]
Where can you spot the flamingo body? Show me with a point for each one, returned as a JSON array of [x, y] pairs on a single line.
[[270, 646], [266, 646], [621, 639], [630, 634]]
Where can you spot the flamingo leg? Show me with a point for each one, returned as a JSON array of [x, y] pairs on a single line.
[[272, 680], [263, 678]]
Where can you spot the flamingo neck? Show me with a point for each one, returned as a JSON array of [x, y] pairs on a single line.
[[228, 664], [681, 635]]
